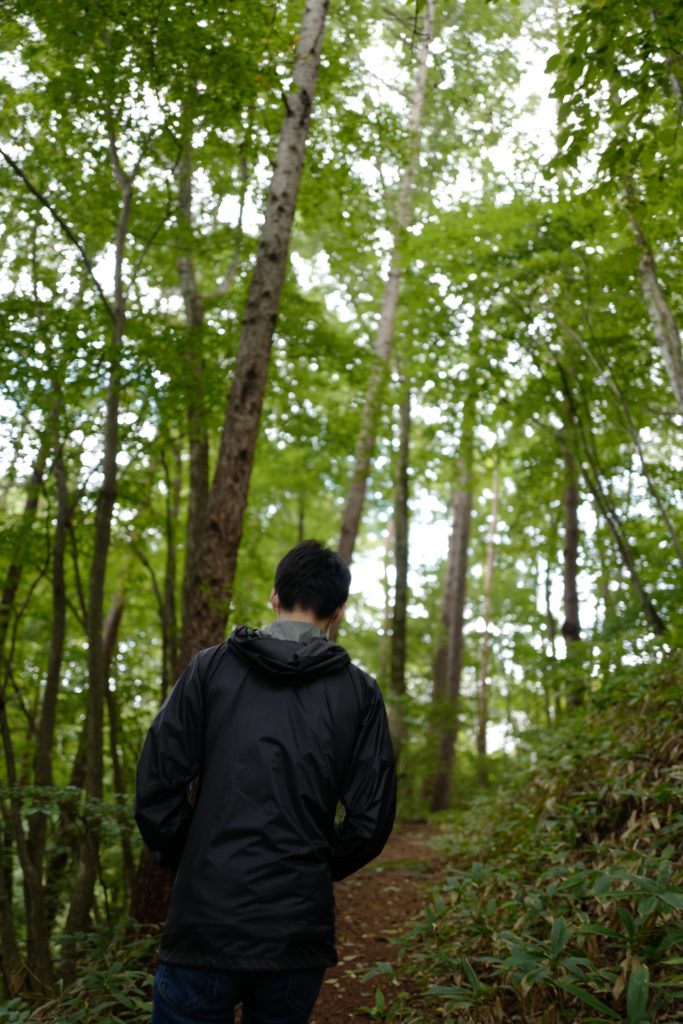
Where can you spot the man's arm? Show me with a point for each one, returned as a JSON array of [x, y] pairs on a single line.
[[168, 768], [369, 796]]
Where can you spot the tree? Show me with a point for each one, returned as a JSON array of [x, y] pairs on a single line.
[[213, 574], [450, 652], [397, 677], [384, 339]]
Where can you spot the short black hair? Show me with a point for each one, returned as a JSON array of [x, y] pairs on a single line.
[[313, 578]]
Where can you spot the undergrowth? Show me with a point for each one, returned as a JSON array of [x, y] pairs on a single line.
[[563, 899], [113, 984]]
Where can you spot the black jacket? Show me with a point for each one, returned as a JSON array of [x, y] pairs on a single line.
[[278, 732]]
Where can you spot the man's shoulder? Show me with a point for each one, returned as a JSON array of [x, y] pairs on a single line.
[[366, 682], [362, 674], [208, 659]]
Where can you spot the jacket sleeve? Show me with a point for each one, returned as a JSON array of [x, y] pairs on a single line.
[[369, 796], [171, 759]]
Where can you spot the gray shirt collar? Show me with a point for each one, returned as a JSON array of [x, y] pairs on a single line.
[[292, 629]]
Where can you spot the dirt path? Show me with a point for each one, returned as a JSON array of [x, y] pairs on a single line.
[[374, 906]]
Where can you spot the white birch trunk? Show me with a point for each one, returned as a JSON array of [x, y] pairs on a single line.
[[664, 326], [385, 330], [483, 690]]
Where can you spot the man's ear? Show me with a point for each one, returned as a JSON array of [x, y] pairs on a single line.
[[275, 600], [336, 615]]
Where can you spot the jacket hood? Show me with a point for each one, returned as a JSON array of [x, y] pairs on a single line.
[[293, 659]]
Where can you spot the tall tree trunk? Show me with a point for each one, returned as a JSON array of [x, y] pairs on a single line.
[[608, 597], [67, 832], [13, 970], [16, 567], [385, 332], [664, 326], [109, 640], [483, 687], [165, 591], [439, 709], [169, 618], [617, 391], [212, 575], [592, 476], [571, 627], [449, 662], [551, 626], [194, 367], [384, 669], [397, 681], [46, 726], [82, 891], [39, 957], [150, 885]]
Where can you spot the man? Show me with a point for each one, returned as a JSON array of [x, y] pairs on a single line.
[[238, 785]]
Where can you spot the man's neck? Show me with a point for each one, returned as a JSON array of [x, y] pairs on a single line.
[[293, 629], [303, 615]]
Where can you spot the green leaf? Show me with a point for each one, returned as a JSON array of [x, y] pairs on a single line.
[[471, 975], [673, 899], [637, 994], [602, 885], [598, 929], [380, 968], [559, 936], [587, 998], [627, 921], [456, 995], [647, 905]]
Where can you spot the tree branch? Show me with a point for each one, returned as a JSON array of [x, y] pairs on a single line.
[[68, 231]]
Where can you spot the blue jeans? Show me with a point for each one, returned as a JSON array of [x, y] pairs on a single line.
[[193, 995]]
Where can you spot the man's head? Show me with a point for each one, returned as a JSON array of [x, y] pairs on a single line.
[[312, 582]]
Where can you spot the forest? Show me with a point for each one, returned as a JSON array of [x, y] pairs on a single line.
[[403, 276]]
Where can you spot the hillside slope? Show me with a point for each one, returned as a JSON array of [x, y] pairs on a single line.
[[563, 901]]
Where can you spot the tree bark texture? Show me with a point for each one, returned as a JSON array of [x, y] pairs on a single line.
[[86, 872], [195, 369], [16, 567], [571, 627], [109, 642], [45, 733], [67, 829], [384, 667], [39, 960], [39, 956], [13, 970], [397, 679], [484, 664], [365, 443], [449, 659], [664, 326], [212, 575], [551, 626], [168, 612]]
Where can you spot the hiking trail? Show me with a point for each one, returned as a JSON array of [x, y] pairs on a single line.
[[375, 906]]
